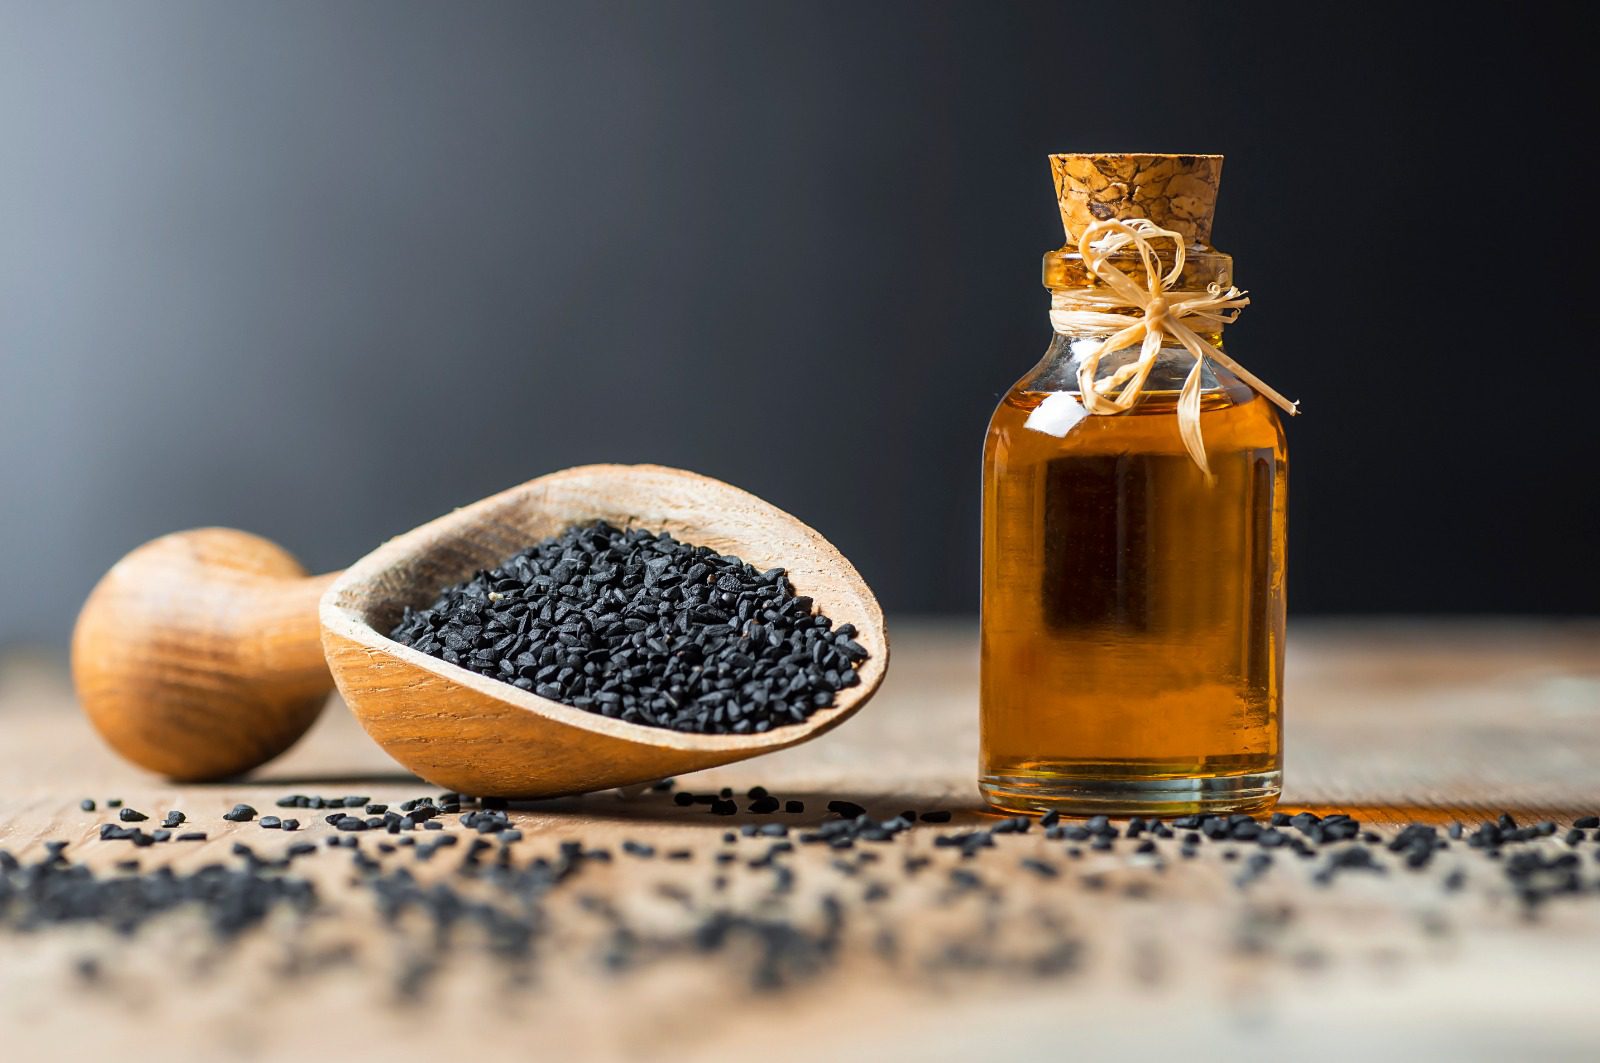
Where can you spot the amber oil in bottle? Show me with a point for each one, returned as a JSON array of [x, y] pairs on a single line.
[[1132, 609]]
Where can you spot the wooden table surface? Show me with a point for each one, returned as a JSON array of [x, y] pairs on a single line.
[[1118, 952]]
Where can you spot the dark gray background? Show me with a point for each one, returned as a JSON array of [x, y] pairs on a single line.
[[324, 271]]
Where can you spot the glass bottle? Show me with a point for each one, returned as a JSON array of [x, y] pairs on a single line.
[[1133, 608]]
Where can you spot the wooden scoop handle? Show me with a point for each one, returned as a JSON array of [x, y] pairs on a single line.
[[199, 655]]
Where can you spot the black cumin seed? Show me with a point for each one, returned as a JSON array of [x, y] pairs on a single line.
[[129, 815], [240, 814], [794, 806], [191, 836], [643, 628], [937, 816], [87, 804], [1587, 822]]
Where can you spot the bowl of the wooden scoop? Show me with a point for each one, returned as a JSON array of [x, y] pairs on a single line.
[[481, 736], [197, 654]]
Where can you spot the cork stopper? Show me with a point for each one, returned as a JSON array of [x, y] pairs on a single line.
[[1177, 192]]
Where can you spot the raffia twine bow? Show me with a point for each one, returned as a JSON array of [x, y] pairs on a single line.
[[1161, 313]]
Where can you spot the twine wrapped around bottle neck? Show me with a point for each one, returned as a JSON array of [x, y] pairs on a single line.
[[1161, 313]]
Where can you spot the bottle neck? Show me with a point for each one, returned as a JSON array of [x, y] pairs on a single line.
[[1057, 371], [1065, 270], [1075, 290]]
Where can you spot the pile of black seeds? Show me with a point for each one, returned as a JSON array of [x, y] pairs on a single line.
[[808, 890], [640, 627]]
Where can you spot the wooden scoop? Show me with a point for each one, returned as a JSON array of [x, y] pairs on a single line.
[[201, 655]]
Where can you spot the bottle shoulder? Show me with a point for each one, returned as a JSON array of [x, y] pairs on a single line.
[[1235, 419]]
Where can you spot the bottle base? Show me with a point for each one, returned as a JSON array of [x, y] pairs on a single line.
[[1252, 794]]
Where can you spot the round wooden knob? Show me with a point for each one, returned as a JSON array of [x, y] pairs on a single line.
[[199, 654]]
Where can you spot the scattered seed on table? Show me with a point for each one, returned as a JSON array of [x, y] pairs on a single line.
[[240, 814], [129, 815], [191, 836], [794, 806], [87, 804]]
